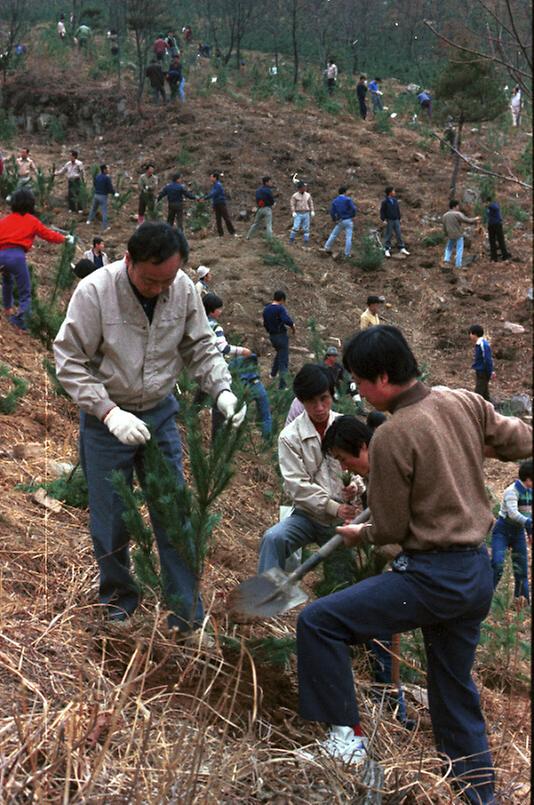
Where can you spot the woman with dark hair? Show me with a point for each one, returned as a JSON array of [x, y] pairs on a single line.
[[17, 233]]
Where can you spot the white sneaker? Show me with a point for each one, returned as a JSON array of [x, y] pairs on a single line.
[[89, 223], [405, 251], [340, 744], [387, 253]]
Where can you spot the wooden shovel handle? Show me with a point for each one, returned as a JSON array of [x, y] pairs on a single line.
[[324, 551]]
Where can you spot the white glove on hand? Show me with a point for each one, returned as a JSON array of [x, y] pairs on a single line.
[[226, 403], [116, 195], [312, 214], [294, 214], [70, 239], [126, 427]]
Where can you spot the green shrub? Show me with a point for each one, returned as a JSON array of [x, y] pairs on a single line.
[[524, 163], [433, 238], [45, 320], [7, 128], [370, 255], [71, 488], [201, 217], [382, 124], [279, 256], [56, 130], [44, 185], [10, 176], [8, 403]]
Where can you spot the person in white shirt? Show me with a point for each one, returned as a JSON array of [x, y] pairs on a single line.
[[97, 255], [75, 175], [515, 106]]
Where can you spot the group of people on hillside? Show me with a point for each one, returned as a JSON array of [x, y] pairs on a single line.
[[432, 518]]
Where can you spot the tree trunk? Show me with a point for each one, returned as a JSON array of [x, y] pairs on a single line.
[[295, 43], [456, 159]]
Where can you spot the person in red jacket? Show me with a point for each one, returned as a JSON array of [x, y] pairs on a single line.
[[17, 233]]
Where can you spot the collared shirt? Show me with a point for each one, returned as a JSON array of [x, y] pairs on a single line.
[[148, 184], [516, 504], [311, 479], [427, 483], [108, 354], [26, 166], [74, 170], [452, 223], [301, 202], [92, 256], [368, 319]]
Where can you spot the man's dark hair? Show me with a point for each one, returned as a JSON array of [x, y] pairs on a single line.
[[176, 176], [23, 202], [489, 197], [389, 189], [347, 433], [155, 242], [216, 174], [363, 77], [342, 190], [150, 165], [378, 79], [97, 240], [301, 184], [84, 267], [453, 203], [375, 419], [211, 302], [103, 168], [265, 179], [380, 350], [74, 154], [279, 296], [525, 470], [373, 299], [311, 380], [476, 329]]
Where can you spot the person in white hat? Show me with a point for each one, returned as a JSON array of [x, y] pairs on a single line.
[[204, 279]]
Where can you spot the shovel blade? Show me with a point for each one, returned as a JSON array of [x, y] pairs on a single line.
[[266, 595]]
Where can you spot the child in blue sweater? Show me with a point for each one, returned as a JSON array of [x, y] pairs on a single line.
[[510, 529], [482, 361]]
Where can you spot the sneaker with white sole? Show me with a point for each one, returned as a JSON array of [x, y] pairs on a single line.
[[340, 744], [405, 251], [387, 253]]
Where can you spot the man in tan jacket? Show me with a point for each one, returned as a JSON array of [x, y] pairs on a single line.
[[452, 224], [303, 211], [130, 328]]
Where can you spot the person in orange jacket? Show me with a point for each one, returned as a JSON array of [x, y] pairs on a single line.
[[17, 233]]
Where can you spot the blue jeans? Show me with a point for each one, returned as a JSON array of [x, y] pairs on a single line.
[[181, 90], [280, 342], [507, 535], [100, 454], [393, 227], [347, 225], [451, 243], [446, 594], [377, 102], [292, 533], [14, 269], [302, 219], [102, 202]]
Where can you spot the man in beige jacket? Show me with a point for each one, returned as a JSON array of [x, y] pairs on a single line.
[[130, 328], [303, 211], [452, 224]]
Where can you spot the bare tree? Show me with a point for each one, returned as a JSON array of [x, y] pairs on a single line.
[[505, 39], [143, 18], [14, 14]]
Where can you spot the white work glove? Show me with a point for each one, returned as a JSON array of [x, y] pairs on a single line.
[[294, 214], [312, 214], [226, 403], [70, 239], [126, 427], [116, 195]]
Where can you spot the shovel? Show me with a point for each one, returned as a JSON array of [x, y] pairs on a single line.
[[275, 590]]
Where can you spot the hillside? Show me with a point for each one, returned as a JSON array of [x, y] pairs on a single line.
[[92, 715]]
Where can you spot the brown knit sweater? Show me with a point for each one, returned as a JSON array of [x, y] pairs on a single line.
[[426, 485]]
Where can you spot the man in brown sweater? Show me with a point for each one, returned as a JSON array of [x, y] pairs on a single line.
[[452, 224], [426, 492]]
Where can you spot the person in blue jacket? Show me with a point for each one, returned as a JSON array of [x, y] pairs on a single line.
[[175, 192], [218, 201], [425, 101], [264, 212], [103, 187], [495, 230], [390, 213], [343, 212], [482, 361]]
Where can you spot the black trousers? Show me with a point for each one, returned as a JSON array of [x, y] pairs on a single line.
[[73, 194], [176, 213], [496, 236], [482, 385], [363, 109], [222, 214]]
